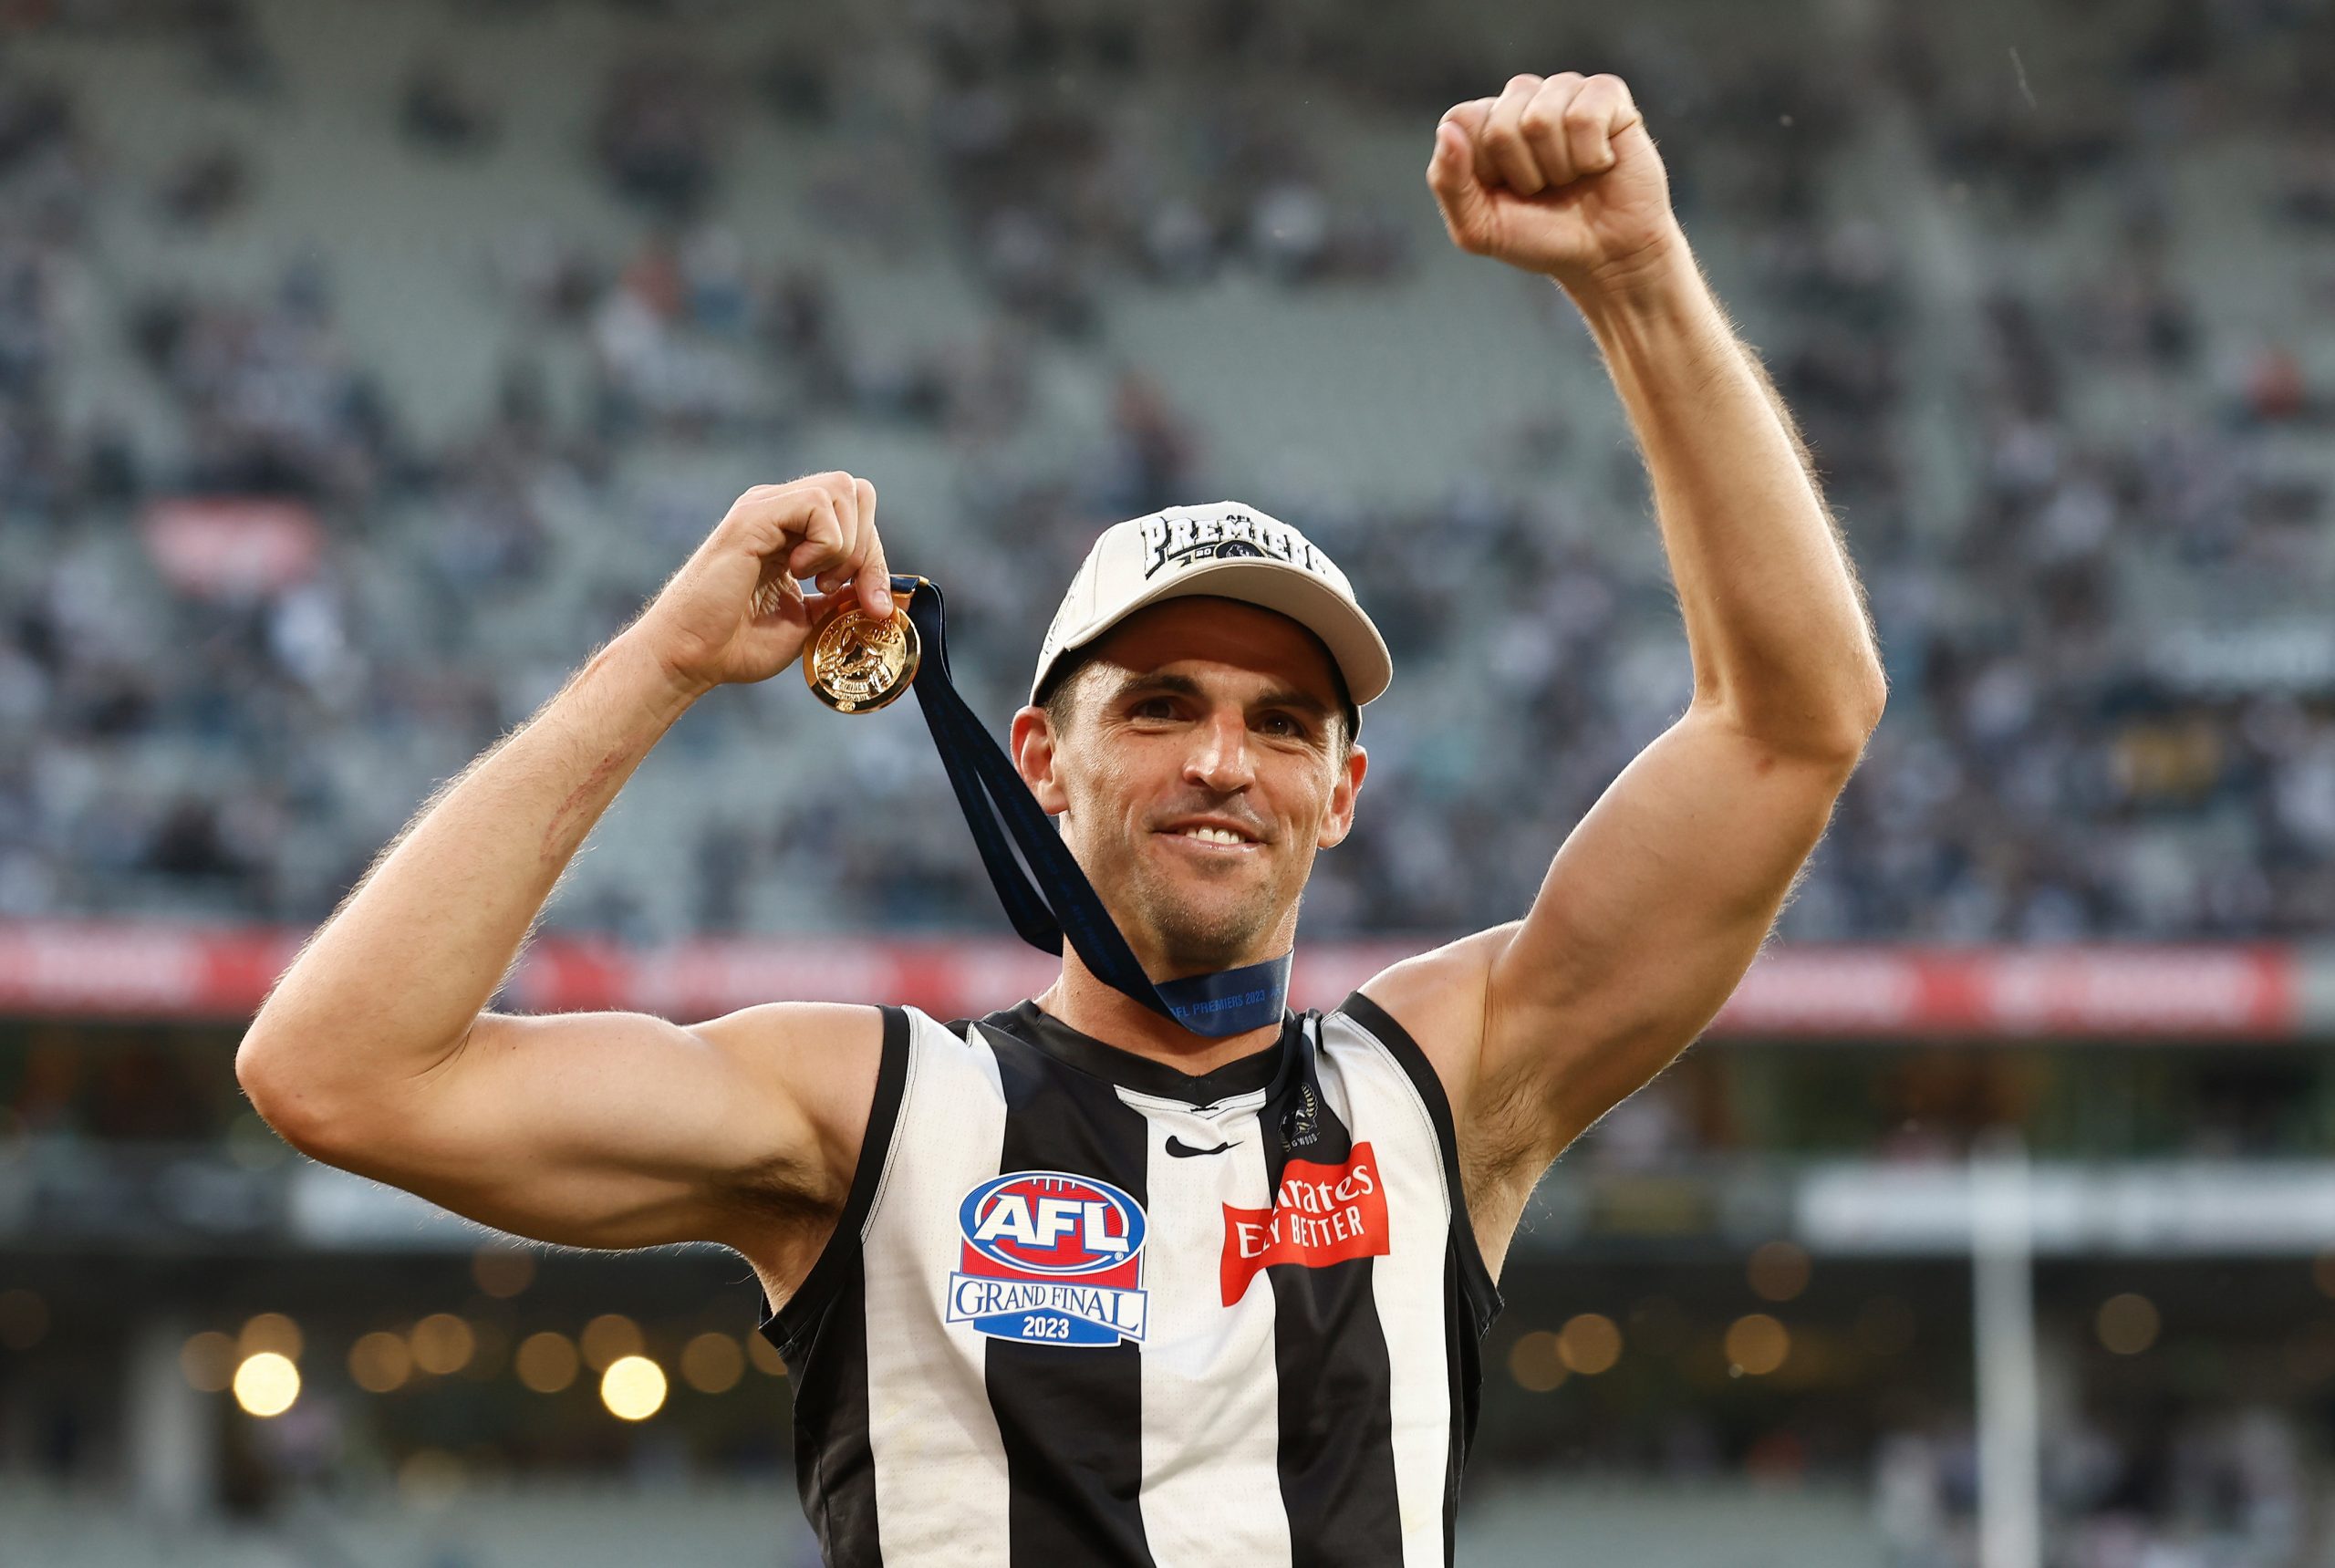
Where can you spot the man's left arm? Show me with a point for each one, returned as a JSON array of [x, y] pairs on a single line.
[[1660, 898]]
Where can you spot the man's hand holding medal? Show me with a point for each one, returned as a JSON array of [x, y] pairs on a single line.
[[735, 613]]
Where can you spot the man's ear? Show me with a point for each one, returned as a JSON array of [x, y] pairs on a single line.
[[1032, 742], [1339, 820]]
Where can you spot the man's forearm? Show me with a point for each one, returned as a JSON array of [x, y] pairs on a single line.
[[1778, 628], [388, 988]]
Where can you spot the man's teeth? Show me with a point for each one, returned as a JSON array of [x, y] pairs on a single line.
[[1214, 834]]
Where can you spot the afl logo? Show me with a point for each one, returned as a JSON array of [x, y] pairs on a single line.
[[1050, 1257]]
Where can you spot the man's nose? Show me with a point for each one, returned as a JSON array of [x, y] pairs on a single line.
[[1219, 757]]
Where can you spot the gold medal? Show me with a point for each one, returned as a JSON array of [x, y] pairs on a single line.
[[856, 662]]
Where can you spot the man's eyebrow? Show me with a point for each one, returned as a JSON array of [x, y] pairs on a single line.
[[1305, 702], [1157, 681], [1160, 681]]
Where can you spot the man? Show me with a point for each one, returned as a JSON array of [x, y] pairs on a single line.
[[1070, 1284]]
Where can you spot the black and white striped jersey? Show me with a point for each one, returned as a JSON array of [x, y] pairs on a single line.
[[1085, 1309]]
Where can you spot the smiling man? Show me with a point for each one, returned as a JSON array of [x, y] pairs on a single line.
[[1071, 1284]]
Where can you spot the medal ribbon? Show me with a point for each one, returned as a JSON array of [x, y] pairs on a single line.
[[1053, 900]]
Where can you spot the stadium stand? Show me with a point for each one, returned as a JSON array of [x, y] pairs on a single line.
[[509, 388], [364, 365]]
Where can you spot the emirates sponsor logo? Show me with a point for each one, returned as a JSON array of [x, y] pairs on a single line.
[[1323, 1214]]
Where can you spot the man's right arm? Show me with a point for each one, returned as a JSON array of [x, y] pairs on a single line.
[[375, 1051]]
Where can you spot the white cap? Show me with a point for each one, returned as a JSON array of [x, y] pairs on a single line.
[[1228, 551]]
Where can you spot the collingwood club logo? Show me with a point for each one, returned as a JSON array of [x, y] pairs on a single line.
[[1301, 1125]]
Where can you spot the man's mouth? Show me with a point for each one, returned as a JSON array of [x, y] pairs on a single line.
[[1212, 833]]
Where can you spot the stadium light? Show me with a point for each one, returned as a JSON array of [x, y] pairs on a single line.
[[1535, 1363], [208, 1361], [712, 1364], [1757, 1344], [1590, 1343], [2127, 1324], [502, 1272], [546, 1362], [270, 1331], [266, 1384], [609, 1338], [633, 1389], [379, 1363], [443, 1344]]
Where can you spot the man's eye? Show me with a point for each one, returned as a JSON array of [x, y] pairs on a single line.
[[1155, 708], [1280, 724]]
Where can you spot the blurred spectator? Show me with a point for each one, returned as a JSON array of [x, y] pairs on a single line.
[[437, 111], [658, 136], [206, 187]]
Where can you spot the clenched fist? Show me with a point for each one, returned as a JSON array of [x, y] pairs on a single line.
[[735, 610], [1556, 175]]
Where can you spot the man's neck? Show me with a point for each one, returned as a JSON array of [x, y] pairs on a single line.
[[1099, 1010]]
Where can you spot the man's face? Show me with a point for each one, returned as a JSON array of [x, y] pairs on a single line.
[[1203, 765]]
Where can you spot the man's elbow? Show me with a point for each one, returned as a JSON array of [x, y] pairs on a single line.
[[1862, 708], [291, 1100], [1830, 726], [269, 1084], [1839, 736], [1839, 716]]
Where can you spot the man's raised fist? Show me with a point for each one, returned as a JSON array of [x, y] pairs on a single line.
[[1556, 175]]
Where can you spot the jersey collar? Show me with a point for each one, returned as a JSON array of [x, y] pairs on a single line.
[[1244, 1075]]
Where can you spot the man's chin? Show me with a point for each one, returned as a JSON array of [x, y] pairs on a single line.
[[1195, 934]]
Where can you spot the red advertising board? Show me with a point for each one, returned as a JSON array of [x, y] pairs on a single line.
[[233, 546], [130, 970]]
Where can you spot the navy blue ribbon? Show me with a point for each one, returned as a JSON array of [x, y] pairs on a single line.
[[1061, 903]]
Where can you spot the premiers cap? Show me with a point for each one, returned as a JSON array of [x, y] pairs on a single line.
[[1227, 551]]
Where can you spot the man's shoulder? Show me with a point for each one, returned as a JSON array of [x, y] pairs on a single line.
[[1437, 1000], [823, 1057], [770, 1026]]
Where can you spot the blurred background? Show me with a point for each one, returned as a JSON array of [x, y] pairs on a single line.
[[365, 363]]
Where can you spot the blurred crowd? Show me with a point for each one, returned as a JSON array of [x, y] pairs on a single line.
[[2062, 759], [2212, 1487]]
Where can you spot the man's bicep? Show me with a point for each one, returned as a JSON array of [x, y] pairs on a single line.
[[1651, 912], [619, 1129]]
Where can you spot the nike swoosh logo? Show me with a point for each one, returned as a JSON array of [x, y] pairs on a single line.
[[1177, 1149]]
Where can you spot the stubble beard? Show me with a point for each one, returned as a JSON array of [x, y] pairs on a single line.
[[1196, 930]]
